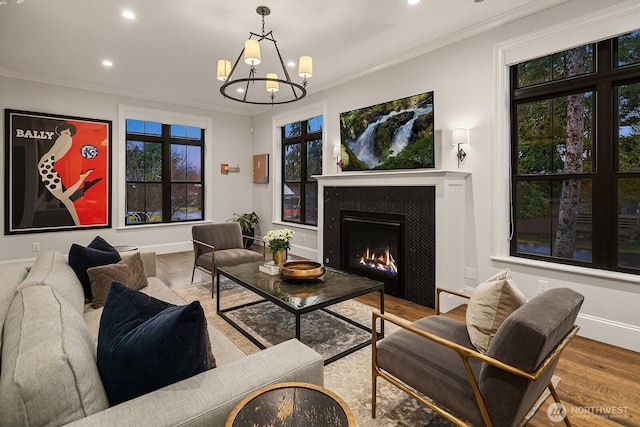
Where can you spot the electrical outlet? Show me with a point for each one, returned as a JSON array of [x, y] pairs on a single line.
[[35, 247], [470, 273], [543, 286]]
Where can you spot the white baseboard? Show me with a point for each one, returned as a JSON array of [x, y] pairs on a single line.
[[609, 332], [448, 302], [169, 248], [305, 252]]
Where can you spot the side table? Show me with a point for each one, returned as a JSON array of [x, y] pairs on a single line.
[[291, 404], [125, 248]]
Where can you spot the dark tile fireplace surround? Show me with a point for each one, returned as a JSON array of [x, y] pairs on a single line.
[[416, 204]]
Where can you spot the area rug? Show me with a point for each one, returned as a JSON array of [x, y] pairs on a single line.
[[348, 377]]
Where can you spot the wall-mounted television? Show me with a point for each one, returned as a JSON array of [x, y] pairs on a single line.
[[393, 135]]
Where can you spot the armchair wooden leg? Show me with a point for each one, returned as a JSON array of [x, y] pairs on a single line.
[[554, 394], [373, 395], [193, 272]]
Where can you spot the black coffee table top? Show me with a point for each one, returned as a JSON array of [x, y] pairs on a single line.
[[291, 404], [301, 296]]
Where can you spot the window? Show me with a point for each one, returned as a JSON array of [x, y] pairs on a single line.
[[575, 155], [301, 159], [164, 172]]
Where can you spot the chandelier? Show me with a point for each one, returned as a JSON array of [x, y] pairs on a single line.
[[268, 90]]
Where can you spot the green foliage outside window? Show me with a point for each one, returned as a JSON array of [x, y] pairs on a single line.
[[576, 162]]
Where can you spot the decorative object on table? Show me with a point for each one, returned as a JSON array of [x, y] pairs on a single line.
[[232, 82], [302, 270], [394, 135], [261, 169], [279, 242], [58, 173], [270, 268], [249, 223]]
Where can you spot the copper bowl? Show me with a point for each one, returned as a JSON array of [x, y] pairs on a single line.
[[301, 270]]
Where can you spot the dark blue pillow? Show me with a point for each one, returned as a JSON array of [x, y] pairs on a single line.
[[145, 344], [99, 252]]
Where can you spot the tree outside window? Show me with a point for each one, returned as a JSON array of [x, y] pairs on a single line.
[[164, 165], [301, 160]]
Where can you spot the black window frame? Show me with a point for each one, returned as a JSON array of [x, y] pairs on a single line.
[[167, 141], [603, 81], [304, 138]]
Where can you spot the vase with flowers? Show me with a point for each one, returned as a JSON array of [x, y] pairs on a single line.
[[279, 242]]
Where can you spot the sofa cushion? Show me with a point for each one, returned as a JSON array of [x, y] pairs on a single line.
[[128, 271], [490, 303], [51, 269], [99, 252], [143, 345], [12, 276], [49, 374]]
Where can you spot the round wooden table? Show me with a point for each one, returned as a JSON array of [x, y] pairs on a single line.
[[291, 404]]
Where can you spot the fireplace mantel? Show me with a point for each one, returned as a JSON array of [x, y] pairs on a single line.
[[425, 177], [451, 201]]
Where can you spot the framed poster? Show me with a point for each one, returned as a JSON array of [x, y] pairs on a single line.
[[57, 172], [261, 169]]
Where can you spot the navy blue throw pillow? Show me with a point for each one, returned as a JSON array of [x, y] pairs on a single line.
[[99, 252], [145, 344]]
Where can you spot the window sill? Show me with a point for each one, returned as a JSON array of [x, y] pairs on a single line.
[[563, 268], [160, 224], [295, 225]]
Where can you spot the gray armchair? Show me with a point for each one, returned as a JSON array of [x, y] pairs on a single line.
[[434, 361], [219, 245]]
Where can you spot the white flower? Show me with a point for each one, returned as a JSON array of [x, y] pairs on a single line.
[[279, 240]]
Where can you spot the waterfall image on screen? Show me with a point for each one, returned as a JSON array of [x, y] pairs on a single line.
[[394, 135]]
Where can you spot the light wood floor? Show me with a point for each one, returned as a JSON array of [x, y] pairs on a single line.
[[596, 379]]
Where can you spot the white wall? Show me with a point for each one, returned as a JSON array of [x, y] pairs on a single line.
[[464, 77], [230, 143]]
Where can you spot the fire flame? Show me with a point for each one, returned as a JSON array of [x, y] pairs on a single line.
[[383, 261]]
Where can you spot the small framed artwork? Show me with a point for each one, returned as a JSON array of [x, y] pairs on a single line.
[[261, 169], [57, 172]]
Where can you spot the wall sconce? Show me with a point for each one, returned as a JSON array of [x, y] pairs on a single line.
[[460, 136], [337, 153]]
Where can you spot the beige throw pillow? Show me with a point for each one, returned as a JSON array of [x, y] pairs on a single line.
[[490, 303], [129, 271]]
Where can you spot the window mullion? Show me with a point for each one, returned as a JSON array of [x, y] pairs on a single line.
[[166, 173]]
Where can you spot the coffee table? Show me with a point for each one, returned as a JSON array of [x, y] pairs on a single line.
[[299, 298]]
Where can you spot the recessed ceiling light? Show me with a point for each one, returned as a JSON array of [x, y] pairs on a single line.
[[107, 63], [240, 90], [129, 14], [291, 64], [413, 1]]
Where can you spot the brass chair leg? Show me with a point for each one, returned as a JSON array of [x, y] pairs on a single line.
[[554, 394], [373, 395]]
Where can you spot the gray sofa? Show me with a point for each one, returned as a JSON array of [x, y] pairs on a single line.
[[48, 372]]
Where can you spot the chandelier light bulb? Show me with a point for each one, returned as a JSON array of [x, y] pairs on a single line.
[[252, 52], [305, 67], [272, 86], [224, 68]]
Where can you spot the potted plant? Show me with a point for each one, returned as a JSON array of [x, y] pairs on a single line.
[[248, 223], [279, 243]]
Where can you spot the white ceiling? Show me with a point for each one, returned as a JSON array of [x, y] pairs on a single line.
[[169, 52]]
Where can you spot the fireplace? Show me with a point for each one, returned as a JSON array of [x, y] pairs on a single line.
[[413, 207], [372, 245]]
